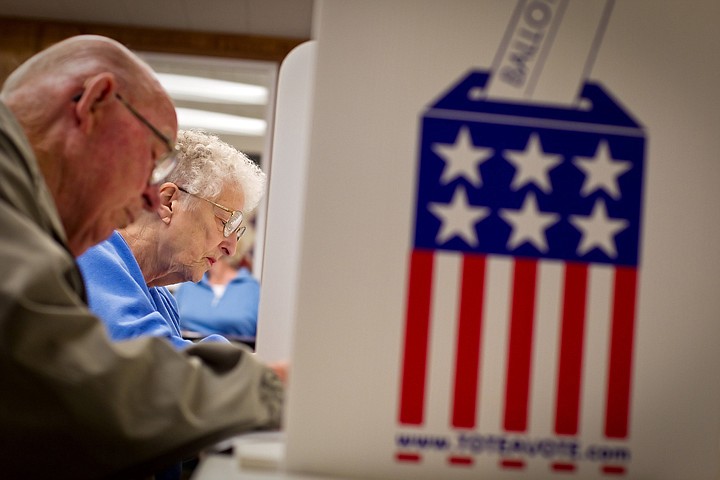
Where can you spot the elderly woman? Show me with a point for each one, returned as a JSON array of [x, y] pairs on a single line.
[[200, 219], [226, 300]]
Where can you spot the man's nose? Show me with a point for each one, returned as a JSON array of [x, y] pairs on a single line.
[[151, 198]]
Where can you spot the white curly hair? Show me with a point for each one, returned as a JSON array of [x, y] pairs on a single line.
[[207, 165]]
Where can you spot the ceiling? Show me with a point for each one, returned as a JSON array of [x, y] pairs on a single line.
[[250, 72], [276, 18]]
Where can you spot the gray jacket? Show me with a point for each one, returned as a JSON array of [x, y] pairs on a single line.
[[75, 405]]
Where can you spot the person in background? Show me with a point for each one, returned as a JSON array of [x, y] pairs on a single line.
[[225, 301], [86, 135], [201, 217]]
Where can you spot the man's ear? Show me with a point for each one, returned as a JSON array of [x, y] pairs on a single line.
[[99, 91], [169, 194]]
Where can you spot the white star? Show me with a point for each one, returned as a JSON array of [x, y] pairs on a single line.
[[458, 218], [529, 224], [462, 158], [602, 171], [598, 229], [532, 165]]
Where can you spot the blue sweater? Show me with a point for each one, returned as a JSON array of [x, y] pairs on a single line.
[[117, 293], [235, 313]]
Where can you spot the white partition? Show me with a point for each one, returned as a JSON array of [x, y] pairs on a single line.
[[491, 288], [286, 204]]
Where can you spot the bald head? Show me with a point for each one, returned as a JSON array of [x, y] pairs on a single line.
[[77, 57], [65, 66], [95, 155]]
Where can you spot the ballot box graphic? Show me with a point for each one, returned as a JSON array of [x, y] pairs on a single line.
[[525, 259]]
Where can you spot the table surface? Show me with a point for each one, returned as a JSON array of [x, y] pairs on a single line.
[[253, 456], [227, 467]]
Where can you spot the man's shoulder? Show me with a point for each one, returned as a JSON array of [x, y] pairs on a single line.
[[23, 187]]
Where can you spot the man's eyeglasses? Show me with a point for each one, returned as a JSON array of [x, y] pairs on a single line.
[[232, 224], [166, 163]]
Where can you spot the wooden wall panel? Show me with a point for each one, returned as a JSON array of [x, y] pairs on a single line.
[[21, 38]]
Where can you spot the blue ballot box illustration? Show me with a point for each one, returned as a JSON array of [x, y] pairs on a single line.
[[554, 195]]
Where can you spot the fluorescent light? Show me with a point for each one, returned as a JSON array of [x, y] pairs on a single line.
[[199, 89], [220, 122]]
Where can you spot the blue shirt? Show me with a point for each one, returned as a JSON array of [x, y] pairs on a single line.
[[234, 313], [118, 294]]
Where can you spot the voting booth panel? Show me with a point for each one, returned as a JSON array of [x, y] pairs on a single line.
[[500, 270]]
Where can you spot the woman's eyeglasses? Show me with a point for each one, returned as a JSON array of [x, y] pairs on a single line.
[[232, 224]]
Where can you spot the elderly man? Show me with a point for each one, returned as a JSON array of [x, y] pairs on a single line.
[[86, 133]]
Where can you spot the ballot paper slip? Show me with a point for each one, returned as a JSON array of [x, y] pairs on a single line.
[[548, 51], [260, 450], [263, 455]]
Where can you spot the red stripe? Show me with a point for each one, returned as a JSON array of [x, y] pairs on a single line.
[[567, 408], [417, 326], [458, 460], [520, 345], [621, 352], [613, 469], [563, 467], [468, 342], [512, 463], [407, 457]]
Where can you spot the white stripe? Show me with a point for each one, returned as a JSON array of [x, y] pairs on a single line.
[[599, 311], [545, 359], [498, 278], [443, 332], [501, 119]]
